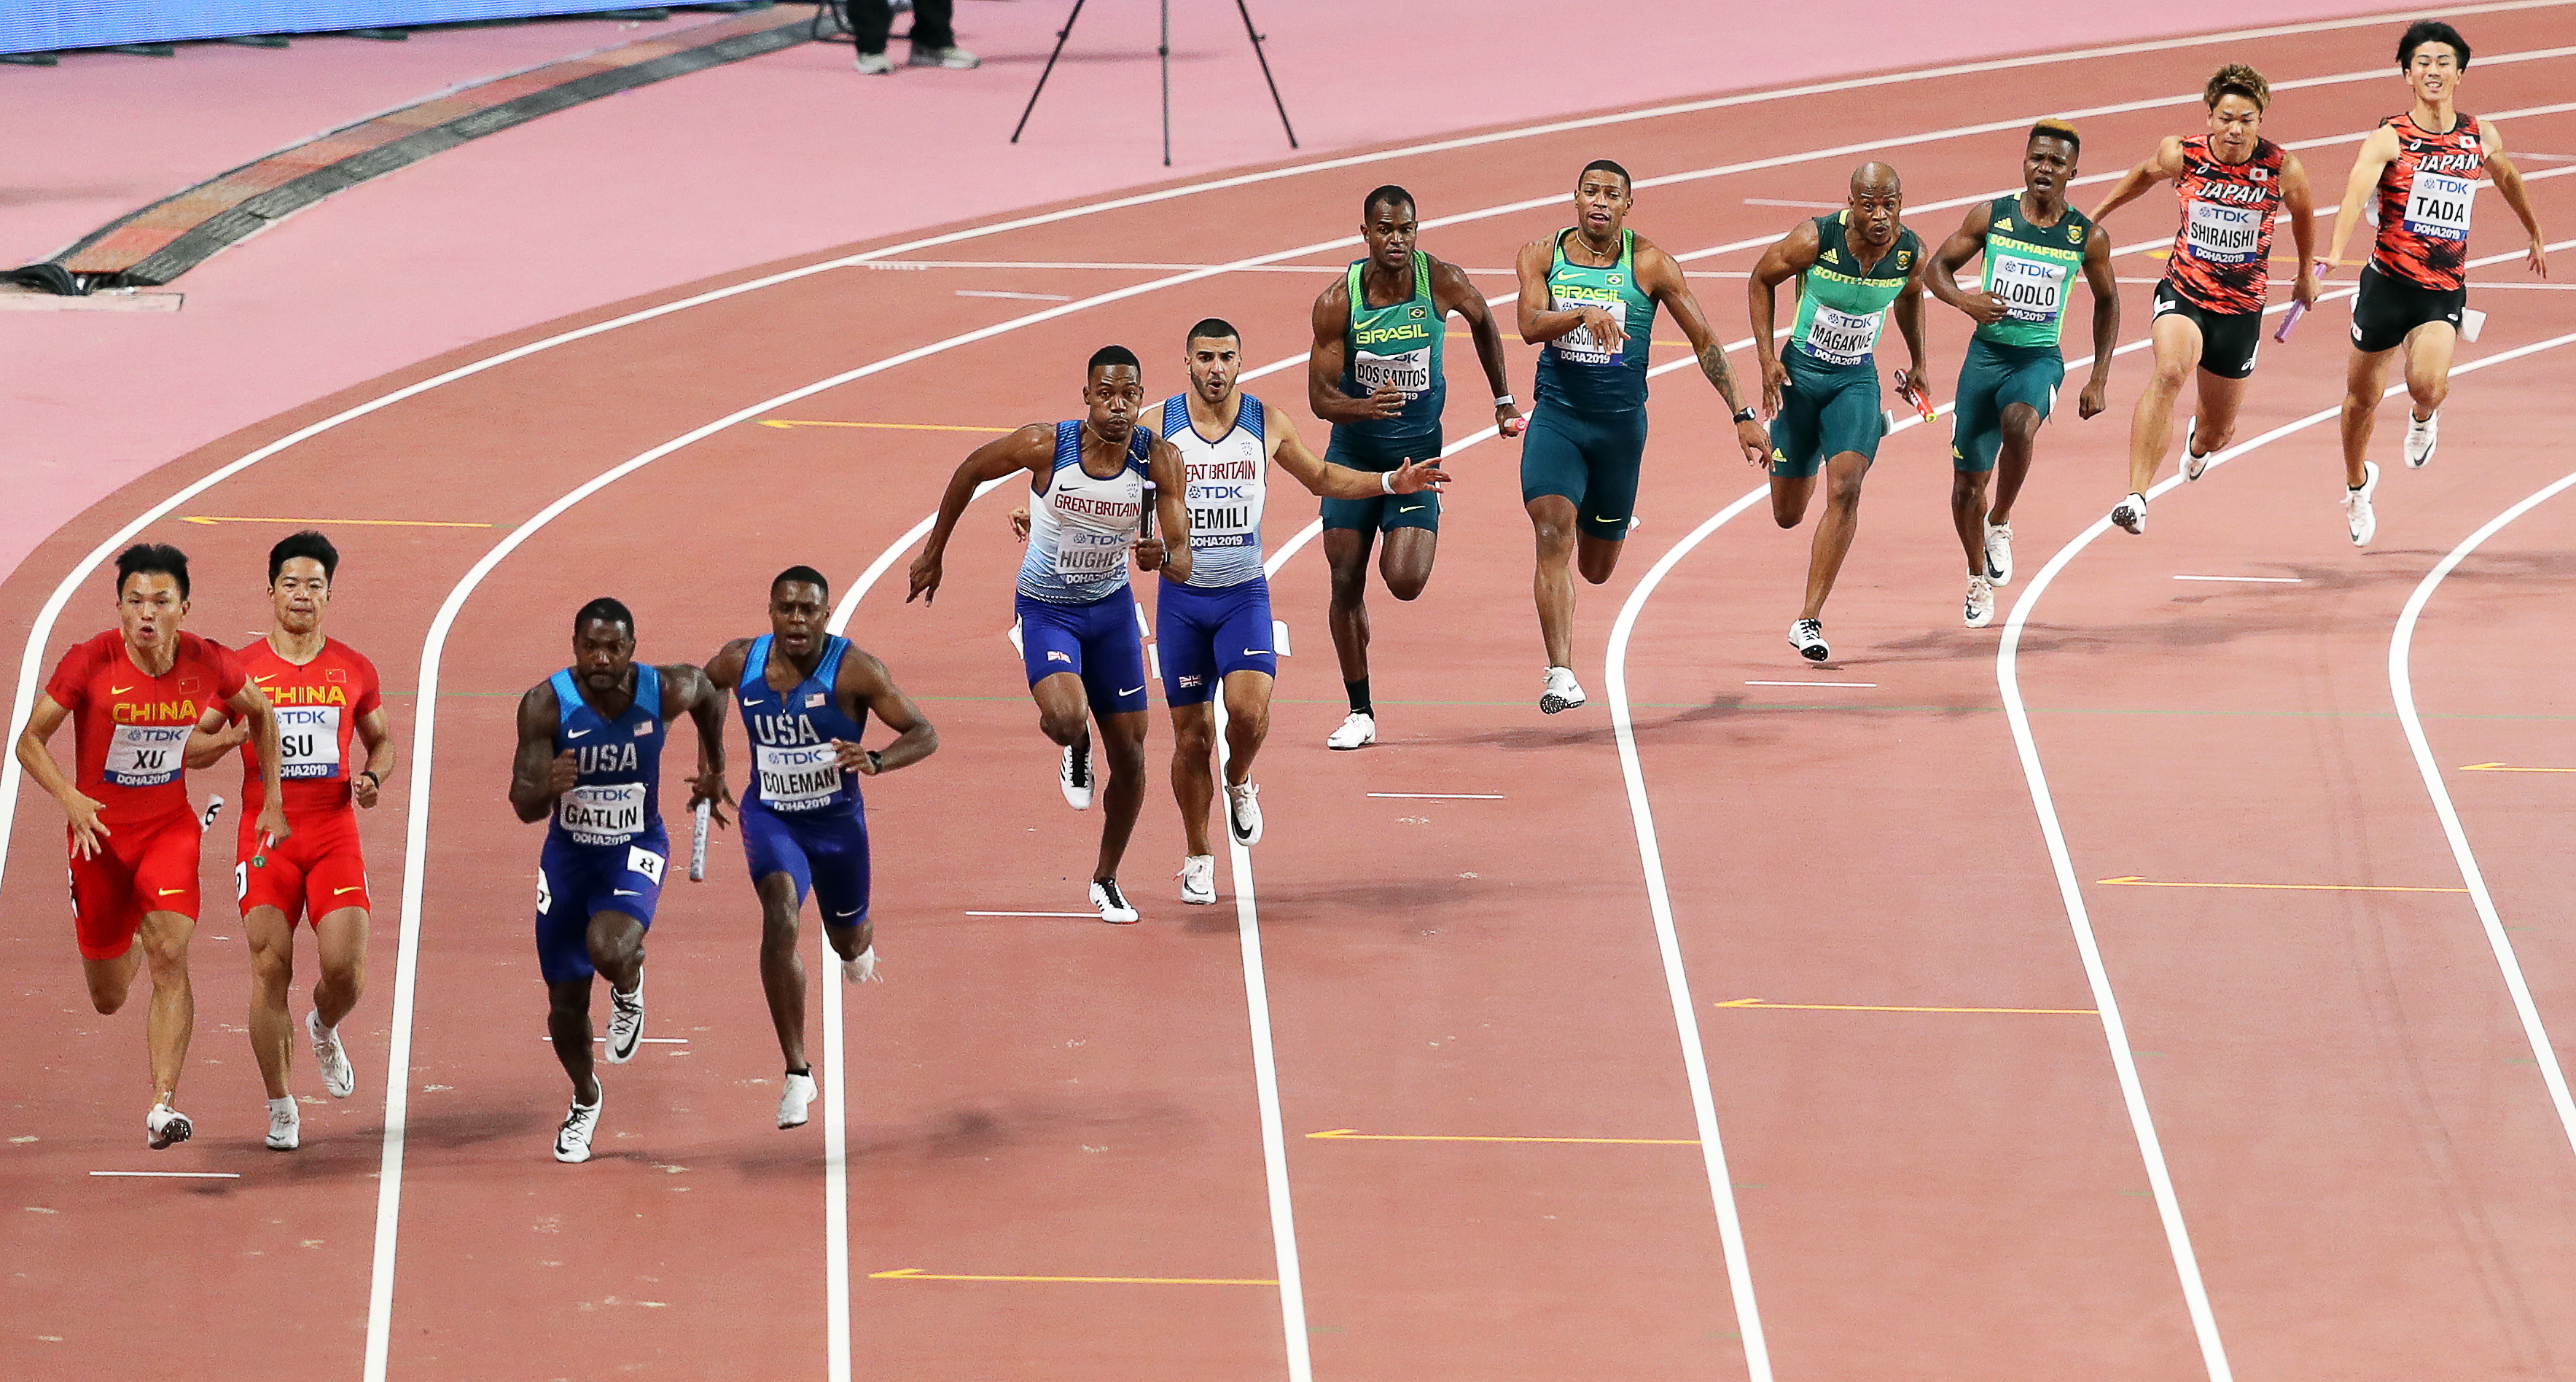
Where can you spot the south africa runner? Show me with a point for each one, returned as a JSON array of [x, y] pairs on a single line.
[[806, 695], [1822, 393], [1376, 373], [1588, 299], [2034, 245], [589, 764]]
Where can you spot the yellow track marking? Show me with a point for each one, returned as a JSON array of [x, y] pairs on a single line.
[[2281, 887], [2510, 768], [883, 426], [1355, 1135], [917, 1274], [1880, 1008], [334, 522]]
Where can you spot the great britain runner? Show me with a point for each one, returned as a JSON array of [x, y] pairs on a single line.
[[806, 695], [1092, 483]]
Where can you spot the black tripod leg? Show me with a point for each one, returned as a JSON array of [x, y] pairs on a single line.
[[1165, 51], [1060, 36], [1245, 9]]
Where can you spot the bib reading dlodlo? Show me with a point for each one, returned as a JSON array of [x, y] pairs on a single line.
[[2033, 290], [606, 814], [2437, 208], [800, 777], [2223, 234], [145, 755], [308, 741]]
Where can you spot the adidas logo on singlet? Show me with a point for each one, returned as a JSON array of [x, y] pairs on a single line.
[[2004, 223], [1828, 255]]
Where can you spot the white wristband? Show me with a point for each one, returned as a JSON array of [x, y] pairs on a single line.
[[1504, 400], [1386, 482]]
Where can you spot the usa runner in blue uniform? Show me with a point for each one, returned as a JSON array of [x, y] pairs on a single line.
[[1092, 485], [806, 695], [590, 764], [1376, 373]]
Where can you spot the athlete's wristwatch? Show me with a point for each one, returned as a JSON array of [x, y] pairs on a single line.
[[876, 761], [1744, 415]]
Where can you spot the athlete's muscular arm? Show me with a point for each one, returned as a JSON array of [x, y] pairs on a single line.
[[1170, 552], [252, 705], [1660, 276], [2508, 182], [1452, 291], [2106, 324], [1792, 255], [1324, 361], [2377, 152], [2303, 227], [725, 669], [1540, 322], [88, 835], [214, 736], [686, 688], [1029, 449], [2166, 163], [376, 731], [538, 774], [1908, 311], [1964, 244], [867, 688], [1332, 481]]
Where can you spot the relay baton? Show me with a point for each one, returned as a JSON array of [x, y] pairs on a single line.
[[1145, 521], [214, 808], [2290, 319], [1905, 390], [698, 841]]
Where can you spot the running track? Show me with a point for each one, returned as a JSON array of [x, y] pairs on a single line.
[[2354, 1132]]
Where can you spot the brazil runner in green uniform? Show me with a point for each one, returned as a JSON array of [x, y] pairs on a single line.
[[1822, 391], [1588, 296], [1375, 374], [2034, 244]]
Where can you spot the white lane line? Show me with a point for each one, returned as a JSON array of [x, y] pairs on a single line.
[[1441, 796], [997, 293], [1032, 914], [173, 1175], [2280, 580], [1810, 206], [1861, 684], [2401, 689]]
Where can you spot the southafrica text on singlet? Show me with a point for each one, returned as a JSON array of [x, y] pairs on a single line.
[[1843, 302], [1398, 345], [1229, 484], [618, 797], [1081, 526], [2033, 269], [793, 768], [2423, 202]]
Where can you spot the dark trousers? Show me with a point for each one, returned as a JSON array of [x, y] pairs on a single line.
[[872, 21]]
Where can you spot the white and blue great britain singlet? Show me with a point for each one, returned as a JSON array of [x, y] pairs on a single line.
[[1080, 528], [1229, 485]]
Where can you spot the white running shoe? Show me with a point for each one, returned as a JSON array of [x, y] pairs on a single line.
[[166, 1126], [572, 1140], [861, 969], [338, 1078], [1243, 813], [625, 1023], [1999, 553], [1808, 637], [1981, 601], [1198, 880], [1357, 732], [2131, 514], [875, 64], [2421, 438], [1560, 692], [793, 1099], [955, 58], [2356, 506], [1112, 903], [2194, 465], [285, 1125], [1074, 775]]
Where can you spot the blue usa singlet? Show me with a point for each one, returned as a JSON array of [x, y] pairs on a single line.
[[617, 799], [793, 770]]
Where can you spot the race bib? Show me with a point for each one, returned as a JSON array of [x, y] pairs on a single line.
[[2437, 208], [1086, 555], [308, 741], [606, 814], [796, 778], [1225, 513], [645, 862], [1409, 372], [2220, 234], [1840, 338], [2033, 290], [145, 755], [1578, 345]]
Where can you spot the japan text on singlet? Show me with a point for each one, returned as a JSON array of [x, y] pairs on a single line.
[[2222, 254], [793, 768], [617, 799], [2423, 201], [1229, 486], [1578, 372], [1081, 526], [1399, 345], [1843, 302], [2033, 269]]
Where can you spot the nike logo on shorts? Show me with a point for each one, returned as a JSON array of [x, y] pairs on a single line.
[[335, 892], [1256, 652], [1408, 508], [850, 913], [165, 892], [624, 892], [1133, 691]]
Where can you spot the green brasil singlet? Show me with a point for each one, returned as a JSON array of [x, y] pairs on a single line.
[[1574, 371], [1842, 302], [1398, 345], [2033, 270]]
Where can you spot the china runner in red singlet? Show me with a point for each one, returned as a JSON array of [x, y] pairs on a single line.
[[2209, 309], [325, 694], [133, 694], [2417, 174]]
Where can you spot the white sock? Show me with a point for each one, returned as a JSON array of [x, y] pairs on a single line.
[[861, 969], [284, 1105]]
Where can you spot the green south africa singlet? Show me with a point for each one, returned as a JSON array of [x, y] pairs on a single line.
[[1842, 302], [1399, 345], [2033, 270], [1574, 371]]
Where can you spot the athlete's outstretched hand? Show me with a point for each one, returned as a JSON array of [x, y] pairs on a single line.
[[1775, 377], [708, 785], [272, 820], [563, 774], [1413, 477], [1020, 523], [925, 578], [1384, 402], [1149, 554], [1756, 443], [89, 837], [2538, 256]]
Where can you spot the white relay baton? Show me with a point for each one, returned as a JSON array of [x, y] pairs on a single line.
[[698, 841]]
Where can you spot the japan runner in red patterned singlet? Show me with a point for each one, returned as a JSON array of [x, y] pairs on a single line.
[[2209, 308], [2417, 178], [326, 697], [132, 694]]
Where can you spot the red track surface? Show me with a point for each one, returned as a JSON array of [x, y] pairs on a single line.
[[2374, 1186]]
